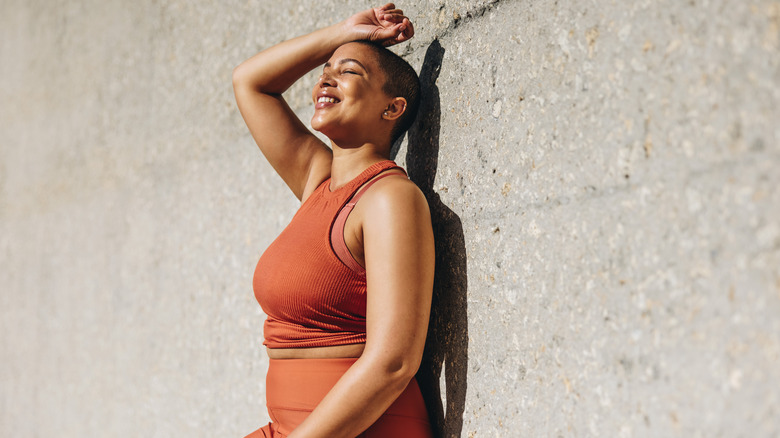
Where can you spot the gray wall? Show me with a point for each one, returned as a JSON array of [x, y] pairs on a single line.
[[603, 177]]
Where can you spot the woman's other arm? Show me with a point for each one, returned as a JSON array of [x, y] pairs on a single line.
[[299, 157], [399, 254]]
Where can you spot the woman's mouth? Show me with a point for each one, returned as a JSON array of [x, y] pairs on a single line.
[[325, 101]]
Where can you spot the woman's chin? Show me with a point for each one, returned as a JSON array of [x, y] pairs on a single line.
[[322, 127], [318, 125], [319, 128]]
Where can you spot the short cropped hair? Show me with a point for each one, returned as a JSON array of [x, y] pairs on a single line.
[[400, 81]]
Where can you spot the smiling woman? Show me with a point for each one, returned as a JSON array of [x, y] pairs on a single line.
[[347, 285], [354, 104]]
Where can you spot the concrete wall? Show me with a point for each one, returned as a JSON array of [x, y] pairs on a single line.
[[603, 176]]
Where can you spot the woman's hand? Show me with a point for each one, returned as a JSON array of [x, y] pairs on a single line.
[[385, 25]]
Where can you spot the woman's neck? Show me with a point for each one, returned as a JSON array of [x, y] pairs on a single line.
[[349, 163]]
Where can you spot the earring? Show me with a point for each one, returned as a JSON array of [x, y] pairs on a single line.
[[385, 113]]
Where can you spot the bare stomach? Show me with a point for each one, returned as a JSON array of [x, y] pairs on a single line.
[[338, 351]]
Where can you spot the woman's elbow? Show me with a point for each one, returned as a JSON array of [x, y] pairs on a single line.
[[238, 75], [398, 369]]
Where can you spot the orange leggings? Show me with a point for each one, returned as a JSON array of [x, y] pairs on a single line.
[[294, 387]]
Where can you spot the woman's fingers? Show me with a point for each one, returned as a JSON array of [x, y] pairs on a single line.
[[408, 29], [393, 26], [402, 31], [405, 31], [391, 34], [392, 17]]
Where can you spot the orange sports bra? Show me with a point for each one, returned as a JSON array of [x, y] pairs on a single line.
[[307, 282]]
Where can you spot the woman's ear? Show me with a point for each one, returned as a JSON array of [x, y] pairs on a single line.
[[395, 109]]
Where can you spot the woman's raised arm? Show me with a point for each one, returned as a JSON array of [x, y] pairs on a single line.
[[299, 157]]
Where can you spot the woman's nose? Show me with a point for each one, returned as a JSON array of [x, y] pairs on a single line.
[[325, 80]]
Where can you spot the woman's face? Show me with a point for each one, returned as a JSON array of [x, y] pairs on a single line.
[[348, 98]]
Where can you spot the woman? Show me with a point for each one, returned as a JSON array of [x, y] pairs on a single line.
[[347, 285]]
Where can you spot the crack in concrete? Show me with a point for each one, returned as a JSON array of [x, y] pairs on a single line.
[[457, 20]]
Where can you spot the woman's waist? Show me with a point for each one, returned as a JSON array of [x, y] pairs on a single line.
[[350, 351]]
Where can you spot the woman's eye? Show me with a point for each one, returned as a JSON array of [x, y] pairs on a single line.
[[350, 72]]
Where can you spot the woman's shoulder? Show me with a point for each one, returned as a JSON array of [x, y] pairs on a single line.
[[395, 214], [393, 195]]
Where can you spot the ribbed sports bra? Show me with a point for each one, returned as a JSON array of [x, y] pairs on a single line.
[[308, 284]]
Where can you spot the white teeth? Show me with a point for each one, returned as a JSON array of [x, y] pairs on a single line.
[[326, 99]]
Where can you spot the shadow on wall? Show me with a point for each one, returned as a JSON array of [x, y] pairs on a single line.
[[447, 344]]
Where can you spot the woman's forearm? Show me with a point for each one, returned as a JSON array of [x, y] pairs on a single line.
[[357, 400], [275, 69]]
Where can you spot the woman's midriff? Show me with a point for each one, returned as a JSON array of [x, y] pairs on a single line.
[[335, 352]]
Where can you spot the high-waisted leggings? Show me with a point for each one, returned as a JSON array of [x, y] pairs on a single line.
[[294, 387]]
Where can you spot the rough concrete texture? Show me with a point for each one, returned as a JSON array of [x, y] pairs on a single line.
[[603, 176]]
